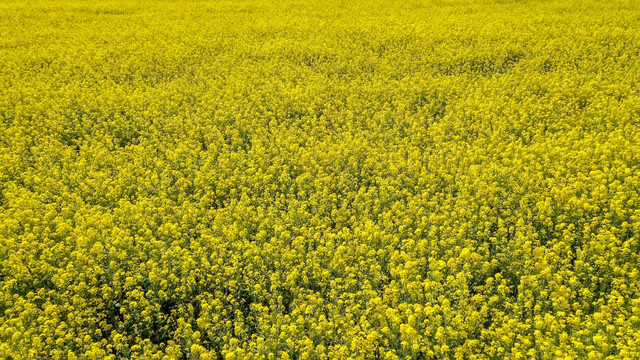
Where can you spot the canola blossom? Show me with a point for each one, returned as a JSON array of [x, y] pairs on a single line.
[[261, 179]]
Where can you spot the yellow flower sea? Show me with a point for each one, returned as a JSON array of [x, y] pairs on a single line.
[[262, 179]]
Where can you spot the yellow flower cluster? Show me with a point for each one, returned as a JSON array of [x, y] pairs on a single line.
[[262, 179]]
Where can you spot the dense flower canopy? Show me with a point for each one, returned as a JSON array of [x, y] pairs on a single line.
[[438, 179]]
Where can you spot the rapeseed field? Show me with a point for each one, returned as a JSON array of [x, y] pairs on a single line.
[[438, 179]]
